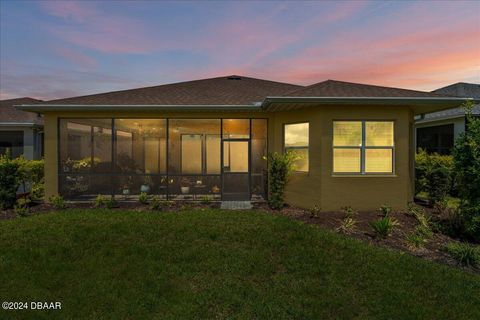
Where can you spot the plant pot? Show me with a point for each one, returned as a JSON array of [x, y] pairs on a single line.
[[185, 190], [126, 192], [145, 188]]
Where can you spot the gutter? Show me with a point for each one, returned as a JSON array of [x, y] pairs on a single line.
[[20, 124]]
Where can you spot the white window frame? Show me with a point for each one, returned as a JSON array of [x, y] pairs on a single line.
[[363, 149]]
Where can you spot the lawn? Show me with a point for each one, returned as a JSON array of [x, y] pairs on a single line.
[[217, 264]]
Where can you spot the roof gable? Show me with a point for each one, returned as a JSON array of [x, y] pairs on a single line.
[[10, 114]]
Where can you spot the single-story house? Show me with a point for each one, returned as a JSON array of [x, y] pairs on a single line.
[[207, 139], [437, 131], [21, 131]]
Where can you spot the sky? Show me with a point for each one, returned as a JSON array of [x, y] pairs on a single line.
[[57, 49]]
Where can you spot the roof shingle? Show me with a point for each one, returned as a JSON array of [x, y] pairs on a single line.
[[8, 113]]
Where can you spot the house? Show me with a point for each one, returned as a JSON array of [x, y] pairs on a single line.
[[206, 139], [21, 131], [437, 131]]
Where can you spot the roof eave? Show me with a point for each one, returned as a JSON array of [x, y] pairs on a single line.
[[419, 105], [103, 107]]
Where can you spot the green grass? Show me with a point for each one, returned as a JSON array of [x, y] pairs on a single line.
[[105, 264]]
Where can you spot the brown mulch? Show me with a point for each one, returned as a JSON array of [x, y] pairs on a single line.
[[433, 250]]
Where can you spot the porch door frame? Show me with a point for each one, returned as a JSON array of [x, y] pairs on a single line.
[[223, 173]]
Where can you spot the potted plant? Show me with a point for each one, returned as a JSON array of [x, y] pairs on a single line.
[[145, 187], [185, 185], [126, 186], [215, 189]]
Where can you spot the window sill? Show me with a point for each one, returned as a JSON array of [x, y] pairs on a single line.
[[364, 176]]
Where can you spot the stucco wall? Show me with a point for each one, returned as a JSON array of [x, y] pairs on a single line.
[[318, 186]]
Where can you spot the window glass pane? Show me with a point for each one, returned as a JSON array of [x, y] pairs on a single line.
[[235, 156], [196, 141], [378, 160], [346, 160], [141, 145], [191, 153], [347, 133], [85, 145], [12, 140], [379, 133], [302, 163], [296, 135], [236, 128]]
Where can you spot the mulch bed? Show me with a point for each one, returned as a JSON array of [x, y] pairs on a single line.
[[433, 250]]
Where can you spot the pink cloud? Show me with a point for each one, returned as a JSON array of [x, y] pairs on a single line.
[[76, 57]]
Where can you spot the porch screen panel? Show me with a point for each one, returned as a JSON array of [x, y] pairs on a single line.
[[258, 158], [192, 153]]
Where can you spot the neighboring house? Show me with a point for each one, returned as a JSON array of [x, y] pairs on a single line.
[[207, 139], [21, 131], [437, 131]]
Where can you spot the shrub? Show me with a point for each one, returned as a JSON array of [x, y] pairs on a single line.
[[349, 212], [465, 254], [424, 231], [386, 210], [466, 161], [347, 225], [415, 240], [205, 200], [434, 175], [143, 198], [111, 203], [383, 227], [21, 209], [10, 178], [57, 202], [315, 211], [280, 167], [156, 204], [99, 201]]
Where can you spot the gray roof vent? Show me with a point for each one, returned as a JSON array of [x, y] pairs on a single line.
[[234, 78]]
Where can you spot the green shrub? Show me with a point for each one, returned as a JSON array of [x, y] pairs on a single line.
[[383, 227], [10, 178], [111, 203], [424, 231], [347, 225], [280, 167], [156, 204], [205, 200], [434, 175], [465, 254], [143, 198], [99, 201], [32, 172], [21, 209], [386, 210], [57, 202], [415, 240], [315, 211], [349, 212], [466, 160]]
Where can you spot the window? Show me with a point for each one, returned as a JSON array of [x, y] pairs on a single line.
[[12, 140], [363, 147], [438, 139], [296, 139]]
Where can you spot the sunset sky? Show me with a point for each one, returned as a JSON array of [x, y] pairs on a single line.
[[59, 49]]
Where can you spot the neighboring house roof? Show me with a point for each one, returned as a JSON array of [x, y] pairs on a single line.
[[11, 115], [239, 93], [334, 88], [228, 90], [460, 89]]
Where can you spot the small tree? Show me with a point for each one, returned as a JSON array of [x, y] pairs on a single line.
[[466, 154], [280, 167]]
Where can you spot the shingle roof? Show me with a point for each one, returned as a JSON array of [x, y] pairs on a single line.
[[8, 113], [460, 89], [334, 88], [227, 90]]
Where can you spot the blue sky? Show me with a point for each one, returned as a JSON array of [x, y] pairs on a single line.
[[54, 49]]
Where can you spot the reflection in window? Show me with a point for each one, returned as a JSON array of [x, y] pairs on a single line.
[[85, 145], [235, 156], [363, 146], [296, 138]]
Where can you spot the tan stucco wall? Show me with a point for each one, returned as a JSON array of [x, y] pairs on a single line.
[[317, 187]]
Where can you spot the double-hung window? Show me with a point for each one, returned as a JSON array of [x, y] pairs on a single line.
[[296, 139], [363, 147]]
